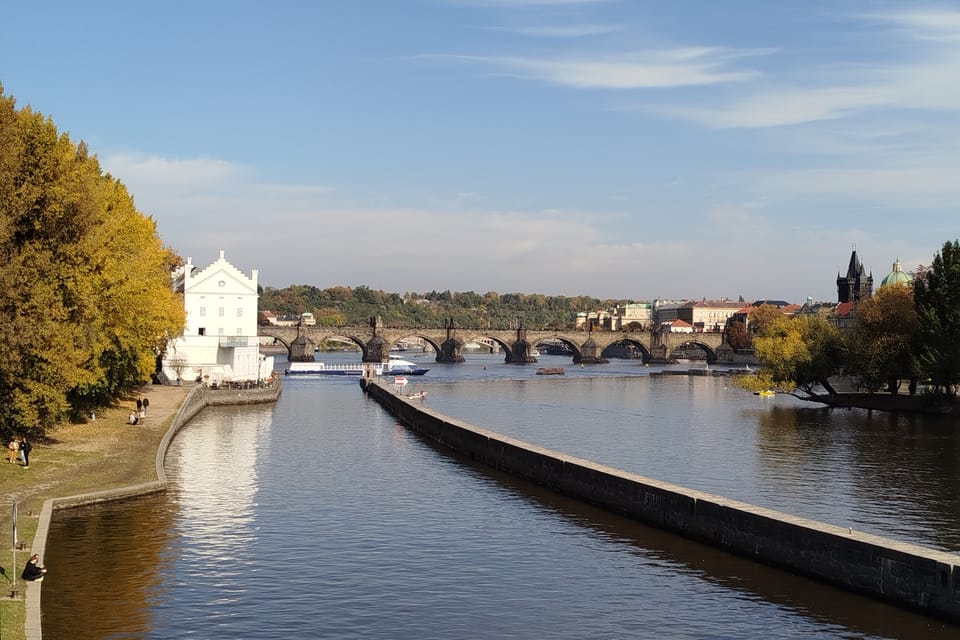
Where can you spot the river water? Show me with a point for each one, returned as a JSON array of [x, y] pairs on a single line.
[[321, 517]]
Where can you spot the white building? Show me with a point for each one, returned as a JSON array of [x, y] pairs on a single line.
[[638, 312], [219, 342]]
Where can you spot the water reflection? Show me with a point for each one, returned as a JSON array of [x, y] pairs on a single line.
[[840, 612], [322, 517], [899, 471], [103, 580]]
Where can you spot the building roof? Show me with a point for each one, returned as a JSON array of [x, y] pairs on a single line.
[[843, 310], [896, 276]]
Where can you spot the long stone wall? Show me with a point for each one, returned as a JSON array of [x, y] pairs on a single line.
[[901, 574]]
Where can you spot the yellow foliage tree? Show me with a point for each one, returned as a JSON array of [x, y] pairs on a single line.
[[85, 296]]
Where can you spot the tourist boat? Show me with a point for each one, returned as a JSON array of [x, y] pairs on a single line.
[[396, 366], [550, 371], [417, 395]]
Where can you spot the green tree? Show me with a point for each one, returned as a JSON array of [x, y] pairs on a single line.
[[881, 347], [937, 299]]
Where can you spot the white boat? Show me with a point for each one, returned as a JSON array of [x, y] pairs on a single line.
[[396, 366], [336, 369]]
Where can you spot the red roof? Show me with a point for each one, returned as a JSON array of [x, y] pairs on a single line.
[[843, 310]]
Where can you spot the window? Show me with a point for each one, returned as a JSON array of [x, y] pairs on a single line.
[[203, 311], [239, 312], [202, 331], [221, 311]]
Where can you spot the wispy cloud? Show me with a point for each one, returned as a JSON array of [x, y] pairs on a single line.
[[923, 77], [649, 69], [563, 31], [522, 4]]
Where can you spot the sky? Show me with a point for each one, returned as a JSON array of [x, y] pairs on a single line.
[[624, 149]]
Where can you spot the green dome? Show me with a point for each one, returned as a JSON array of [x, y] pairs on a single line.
[[897, 276]]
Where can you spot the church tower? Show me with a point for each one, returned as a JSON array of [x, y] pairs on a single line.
[[857, 285]]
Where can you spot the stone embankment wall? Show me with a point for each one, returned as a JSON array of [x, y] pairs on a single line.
[[902, 574]]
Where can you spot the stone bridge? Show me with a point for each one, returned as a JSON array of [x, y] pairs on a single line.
[[375, 341]]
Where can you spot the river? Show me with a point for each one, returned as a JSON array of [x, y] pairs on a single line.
[[321, 517]]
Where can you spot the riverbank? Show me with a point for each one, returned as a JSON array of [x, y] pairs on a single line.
[[101, 460], [103, 454], [887, 402]]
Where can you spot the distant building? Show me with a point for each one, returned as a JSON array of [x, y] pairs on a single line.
[[219, 340], [896, 276], [856, 285], [676, 326], [638, 312], [708, 316]]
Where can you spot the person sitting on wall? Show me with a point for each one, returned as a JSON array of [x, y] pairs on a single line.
[[34, 571]]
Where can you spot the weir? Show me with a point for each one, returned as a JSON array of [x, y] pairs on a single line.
[[901, 574]]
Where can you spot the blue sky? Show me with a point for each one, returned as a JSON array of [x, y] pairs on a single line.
[[611, 148]]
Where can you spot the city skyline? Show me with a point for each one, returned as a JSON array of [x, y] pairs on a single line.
[[614, 149]]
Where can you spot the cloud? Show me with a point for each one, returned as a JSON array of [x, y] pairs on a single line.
[[563, 31], [522, 4], [920, 75], [186, 188], [664, 68]]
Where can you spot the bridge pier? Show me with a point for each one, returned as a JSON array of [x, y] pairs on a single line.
[[451, 350], [519, 353], [589, 354], [301, 350], [659, 354]]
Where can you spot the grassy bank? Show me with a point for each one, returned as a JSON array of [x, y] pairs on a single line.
[[105, 453]]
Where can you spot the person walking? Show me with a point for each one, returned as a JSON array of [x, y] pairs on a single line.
[[146, 403], [25, 448], [13, 447]]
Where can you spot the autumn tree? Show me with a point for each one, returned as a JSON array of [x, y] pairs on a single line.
[[738, 337], [798, 353], [937, 299], [881, 347], [85, 300], [762, 317]]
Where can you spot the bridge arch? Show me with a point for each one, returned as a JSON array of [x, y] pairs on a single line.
[[574, 346], [494, 339], [645, 355], [710, 351], [395, 339]]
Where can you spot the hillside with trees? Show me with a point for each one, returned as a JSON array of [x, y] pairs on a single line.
[[85, 297], [340, 306]]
